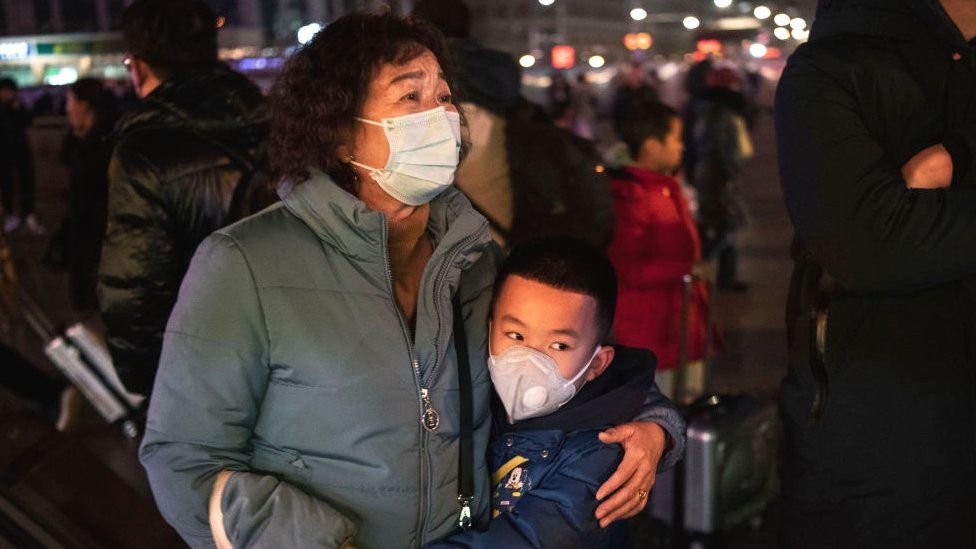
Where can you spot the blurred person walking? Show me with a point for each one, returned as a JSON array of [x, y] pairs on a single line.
[[77, 246], [17, 186], [186, 163], [877, 145], [632, 87], [655, 245], [560, 95], [722, 143], [584, 108]]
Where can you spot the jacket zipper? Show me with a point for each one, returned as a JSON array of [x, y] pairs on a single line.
[[438, 286], [423, 386], [415, 365]]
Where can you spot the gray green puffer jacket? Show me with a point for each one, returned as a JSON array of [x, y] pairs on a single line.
[[286, 359]]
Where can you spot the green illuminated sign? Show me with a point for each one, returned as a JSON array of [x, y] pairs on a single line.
[[80, 48]]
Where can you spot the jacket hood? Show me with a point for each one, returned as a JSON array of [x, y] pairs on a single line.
[[613, 398], [904, 20], [345, 223], [215, 101]]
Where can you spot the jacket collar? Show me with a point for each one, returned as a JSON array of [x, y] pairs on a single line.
[[648, 176], [216, 101], [345, 223]]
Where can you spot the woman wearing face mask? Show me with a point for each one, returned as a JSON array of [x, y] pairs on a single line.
[[308, 387]]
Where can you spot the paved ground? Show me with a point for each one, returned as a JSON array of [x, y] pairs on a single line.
[[753, 362]]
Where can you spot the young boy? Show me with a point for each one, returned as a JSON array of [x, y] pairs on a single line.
[[557, 387], [655, 244]]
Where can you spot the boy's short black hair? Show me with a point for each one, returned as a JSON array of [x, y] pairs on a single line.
[[567, 264], [7, 83], [646, 117], [171, 35]]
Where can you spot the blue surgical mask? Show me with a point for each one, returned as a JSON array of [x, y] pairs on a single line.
[[424, 153]]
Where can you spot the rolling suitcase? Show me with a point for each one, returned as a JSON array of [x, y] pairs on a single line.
[[728, 475], [83, 358]]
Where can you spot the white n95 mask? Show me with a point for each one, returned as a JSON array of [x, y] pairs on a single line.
[[528, 382], [424, 153]]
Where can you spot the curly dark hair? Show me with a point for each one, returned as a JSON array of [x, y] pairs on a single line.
[[324, 85]]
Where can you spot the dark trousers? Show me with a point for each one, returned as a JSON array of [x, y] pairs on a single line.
[[892, 461], [721, 244], [17, 184]]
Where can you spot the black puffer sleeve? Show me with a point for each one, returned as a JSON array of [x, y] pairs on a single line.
[[138, 277]]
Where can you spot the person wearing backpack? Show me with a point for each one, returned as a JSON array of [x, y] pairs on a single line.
[[528, 177], [184, 161]]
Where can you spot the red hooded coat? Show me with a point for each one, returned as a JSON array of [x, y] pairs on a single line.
[[655, 244]]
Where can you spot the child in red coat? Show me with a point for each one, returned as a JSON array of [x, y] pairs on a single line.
[[655, 245]]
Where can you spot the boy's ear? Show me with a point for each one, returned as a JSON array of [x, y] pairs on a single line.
[[600, 362], [651, 147]]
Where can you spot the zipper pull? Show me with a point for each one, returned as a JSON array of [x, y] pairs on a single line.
[[464, 519], [430, 420]]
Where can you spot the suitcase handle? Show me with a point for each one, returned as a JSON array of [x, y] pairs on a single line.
[[684, 344]]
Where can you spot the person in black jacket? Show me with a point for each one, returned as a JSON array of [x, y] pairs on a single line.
[[86, 151], [16, 162], [184, 165], [876, 125]]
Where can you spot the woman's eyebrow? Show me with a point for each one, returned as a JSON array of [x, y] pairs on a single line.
[[412, 75]]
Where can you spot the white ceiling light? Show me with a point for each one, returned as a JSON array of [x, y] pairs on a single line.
[[527, 60], [723, 3], [597, 61], [800, 34], [762, 12], [782, 33], [638, 14], [798, 24], [782, 19], [757, 50], [691, 22]]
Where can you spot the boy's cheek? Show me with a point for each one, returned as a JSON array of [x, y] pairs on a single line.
[[499, 343]]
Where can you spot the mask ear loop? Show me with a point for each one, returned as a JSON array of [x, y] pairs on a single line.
[[489, 339], [368, 121], [588, 364], [371, 169]]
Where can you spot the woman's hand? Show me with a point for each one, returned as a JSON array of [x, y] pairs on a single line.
[[643, 444], [217, 513]]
